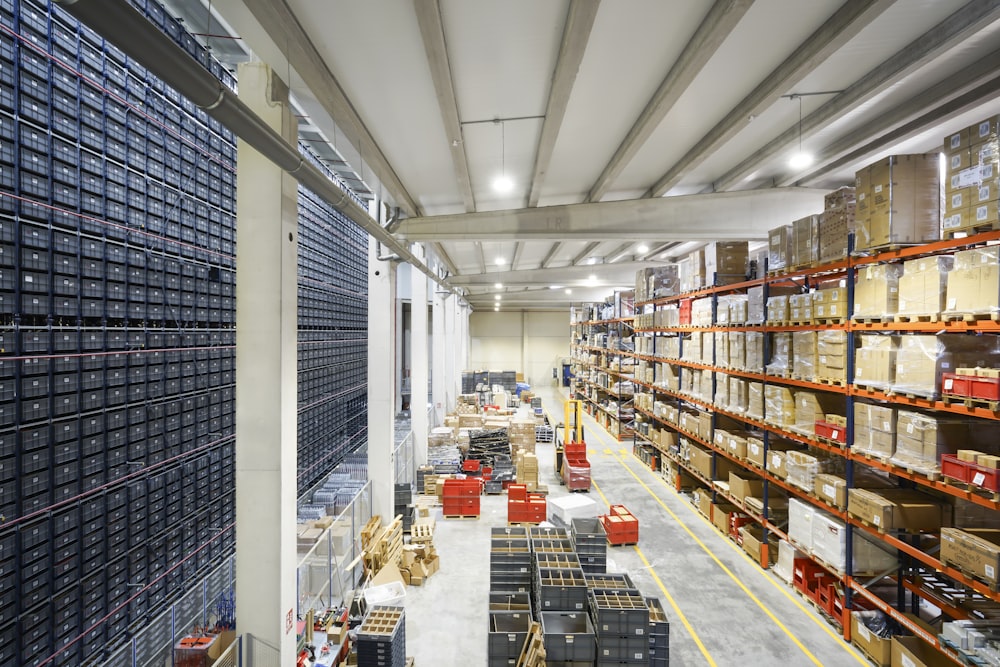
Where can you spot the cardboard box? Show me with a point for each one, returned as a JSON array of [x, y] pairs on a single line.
[[914, 652], [726, 260], [904, 197], [896, 509], [875, 360], [779, 248], [776, 464], [924, 285], [805, 240], [973, 550], [878, 649], [752, 537], [742, 485], [876, 291], [704, 502], [720, 515], [832, 489]]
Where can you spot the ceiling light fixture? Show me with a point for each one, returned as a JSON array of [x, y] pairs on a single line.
[[498, 285], [502, 184], [799, 160], [592, 260], [499, 261], [569, 291], [497, 297], [643, 248]]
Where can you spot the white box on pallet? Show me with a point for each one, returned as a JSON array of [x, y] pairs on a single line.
[[573, 506]]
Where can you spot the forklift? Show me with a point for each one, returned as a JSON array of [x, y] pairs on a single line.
[[571, 464]]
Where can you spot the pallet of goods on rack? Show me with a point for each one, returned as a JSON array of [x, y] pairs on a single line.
[[833, 404]]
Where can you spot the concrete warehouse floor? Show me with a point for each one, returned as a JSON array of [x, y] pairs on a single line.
[[723, 609]]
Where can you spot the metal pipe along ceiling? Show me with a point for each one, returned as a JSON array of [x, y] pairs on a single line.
[[141, 40]]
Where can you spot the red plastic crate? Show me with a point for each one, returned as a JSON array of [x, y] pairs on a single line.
[[471, 465], [685, 311], [957, 385], [986, 389], [970, 473], [517, 492], [831, 432], [737, 521]]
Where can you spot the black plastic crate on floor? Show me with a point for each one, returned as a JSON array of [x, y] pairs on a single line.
[[382, 638], [507, 633], [568, 637], [659, 634]]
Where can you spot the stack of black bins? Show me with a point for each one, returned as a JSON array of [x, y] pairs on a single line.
[[591, 543], [510, 561], [560, 599], [610, 581], [404, 505], [382, 638], [659, 634], [621, 621], [507, 635]]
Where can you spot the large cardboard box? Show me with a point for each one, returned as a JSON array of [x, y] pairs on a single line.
[[742, 485], [863, 202], [721, 512], [779, 248], [876, 291], [892, 509], [924, 285], [752, 537], [834, 228], [921, 359], [875, 360], [805, 240], [905, 196], [832, 489], [915, 652], [779, 405], [726, 261], [974, 281], [878, 649], [973, 550]]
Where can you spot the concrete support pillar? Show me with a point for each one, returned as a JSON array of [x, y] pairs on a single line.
[[452, 374], [266, 348], [381, 392], [418, 355], [439, 378], [399, 343]]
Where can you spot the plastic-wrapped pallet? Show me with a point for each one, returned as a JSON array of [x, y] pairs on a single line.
[[787, 554], [829, 544], [802, 467], [781, 354]]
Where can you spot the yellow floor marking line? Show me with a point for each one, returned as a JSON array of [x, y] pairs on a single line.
[[779, 586], [729, 572], [607, 451], [663, 589]]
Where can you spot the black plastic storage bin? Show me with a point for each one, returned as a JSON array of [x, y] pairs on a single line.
[[568, 637]]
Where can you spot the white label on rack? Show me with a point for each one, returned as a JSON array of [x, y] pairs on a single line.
[[29, 279], [978, 479], [990, 572], [909, 428], [835, 434], [876, 519], [829, 491], [905, 661], [863, 632], [878, 188], [949, 383]]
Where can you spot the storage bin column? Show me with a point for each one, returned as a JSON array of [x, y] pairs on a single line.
[[266, 355]]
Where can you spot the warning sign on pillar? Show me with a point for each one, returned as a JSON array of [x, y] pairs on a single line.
[[289, 621]]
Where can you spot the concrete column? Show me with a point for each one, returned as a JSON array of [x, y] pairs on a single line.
[[439, 359], [399, 341], [381, 392], [451, 372], [266, 401], [418, 366]]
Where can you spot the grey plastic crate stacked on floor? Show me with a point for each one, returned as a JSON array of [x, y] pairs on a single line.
[[507, 634], [621, 623], [659, 634], [510, 561], [591, 543], [382, 638]]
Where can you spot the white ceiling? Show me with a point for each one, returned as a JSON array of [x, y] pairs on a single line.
[[893, 72]]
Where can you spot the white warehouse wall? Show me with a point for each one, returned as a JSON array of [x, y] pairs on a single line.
[[531, 342]]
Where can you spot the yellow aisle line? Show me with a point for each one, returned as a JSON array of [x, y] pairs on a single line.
[[739, 583], [781, 587], [673, 603], [670, 598]]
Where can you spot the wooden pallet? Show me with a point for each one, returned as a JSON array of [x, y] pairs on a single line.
[[885, 247], [461, 516], [970, 488], [830, 320], [910, 317], [873, 319], [982, 316], [993, 586], [971, 230], [533, 651], [833, 382], [421, 533], [970, 402]]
